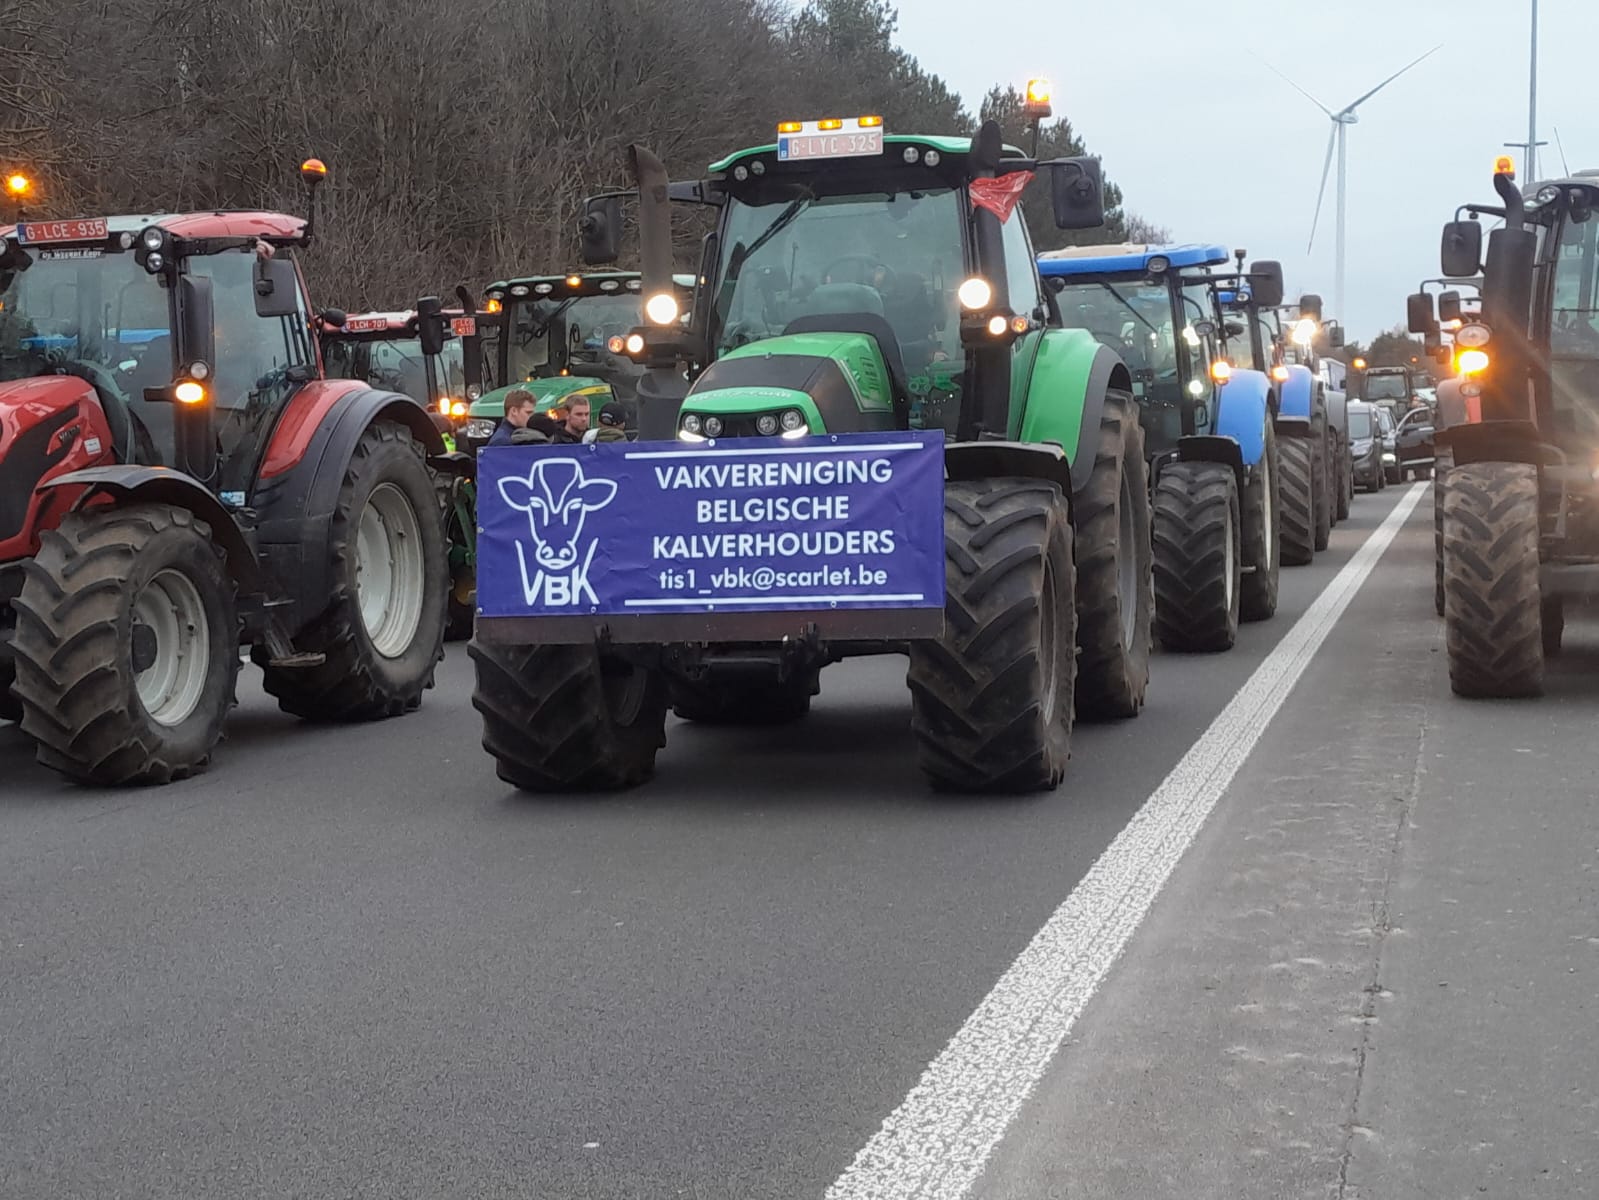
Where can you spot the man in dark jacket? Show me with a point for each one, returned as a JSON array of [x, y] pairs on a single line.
[[577, 421], [611, 425], [518, 411]]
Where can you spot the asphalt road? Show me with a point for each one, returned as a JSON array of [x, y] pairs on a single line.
[[350, 962]]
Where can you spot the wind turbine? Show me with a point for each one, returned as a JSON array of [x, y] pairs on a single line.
[[1341, 121]]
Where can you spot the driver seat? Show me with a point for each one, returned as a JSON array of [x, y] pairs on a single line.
[[874, 326]]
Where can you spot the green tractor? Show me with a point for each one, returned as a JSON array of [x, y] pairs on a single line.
[[560, 337], [864, 284]]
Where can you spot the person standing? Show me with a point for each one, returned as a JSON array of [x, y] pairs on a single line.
[[577, 421], [518, 411]]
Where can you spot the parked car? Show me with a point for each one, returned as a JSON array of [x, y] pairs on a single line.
[[1365, 445], [1413, 444], [1388, 431]]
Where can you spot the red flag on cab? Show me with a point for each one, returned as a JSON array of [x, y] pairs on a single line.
[[1000, 196]]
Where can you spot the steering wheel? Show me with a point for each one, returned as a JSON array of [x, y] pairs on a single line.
[[871, 264]]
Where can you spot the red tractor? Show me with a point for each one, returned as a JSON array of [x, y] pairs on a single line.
[[178, 479]]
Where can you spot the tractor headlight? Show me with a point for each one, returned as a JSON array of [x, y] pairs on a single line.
[[661, 308], [691, 423], [766, 424], [153, 239], [713, 426], [793, 420], [975, 293]]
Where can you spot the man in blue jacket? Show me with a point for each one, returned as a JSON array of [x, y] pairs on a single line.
[[518, 411]]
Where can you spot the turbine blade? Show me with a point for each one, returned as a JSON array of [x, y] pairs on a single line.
[[1321, 193], [1294, 85], [1391, 78]]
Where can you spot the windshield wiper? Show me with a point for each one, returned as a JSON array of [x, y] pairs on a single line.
[[538, 331], [1128, 306], [742, 254]]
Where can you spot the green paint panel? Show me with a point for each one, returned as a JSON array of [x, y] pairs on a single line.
[[1057, 389], [752, 402], [855, 353]]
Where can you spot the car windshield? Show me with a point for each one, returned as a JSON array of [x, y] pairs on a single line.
[[583, 323], [1386, 387], [84, 309], [897, 255], [1359, 423], [1132, 318]]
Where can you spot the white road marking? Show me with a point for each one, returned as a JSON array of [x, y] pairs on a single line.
[[935, 1145]]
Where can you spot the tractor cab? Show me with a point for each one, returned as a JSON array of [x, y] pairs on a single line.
[[385, 349], [561, 336], [847, 286]]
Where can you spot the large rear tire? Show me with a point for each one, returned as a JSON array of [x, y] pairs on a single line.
[[1115, 571], [1321, 476], [1492, 611], [568, 718], [1439, 479], [991, 700], [1297, 491], [10, 708], [383, 631], [1198, 560], [127, 646], [1262, 508], [744, 701]]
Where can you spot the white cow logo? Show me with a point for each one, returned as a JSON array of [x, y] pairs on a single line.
[[556, 498]]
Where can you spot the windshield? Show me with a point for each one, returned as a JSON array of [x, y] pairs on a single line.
[[395, 365], [897, 255], [1359, 423], [1134, 319], [582, 325], [1386, 387], [102, 312]]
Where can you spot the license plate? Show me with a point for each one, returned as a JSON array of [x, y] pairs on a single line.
[[463, 326], [365, 325], [36, 233], [829, 145]]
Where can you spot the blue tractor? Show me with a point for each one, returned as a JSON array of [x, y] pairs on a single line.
[[1209, 431]]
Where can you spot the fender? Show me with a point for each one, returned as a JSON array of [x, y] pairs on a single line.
[[1298, 397], [296, 505], [989, 460], [1243, 405], [1214, 449], [1453, 406], [129, 484], [1065, 397], [1493, 441]]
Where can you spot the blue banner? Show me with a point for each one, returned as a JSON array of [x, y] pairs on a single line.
[[847, 521]]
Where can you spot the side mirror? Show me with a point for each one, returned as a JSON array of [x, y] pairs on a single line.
[[1335, 335], [1205, 328], [1418, 313], [430, 325], [1267, 280], [277, 288], [1460, 254], [335, 317], [1234, 329], [1449, 306], [1310, 306], [1077, 193], [601, 229]]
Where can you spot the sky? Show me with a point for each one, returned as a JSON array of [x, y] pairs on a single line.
[[1205, 140]]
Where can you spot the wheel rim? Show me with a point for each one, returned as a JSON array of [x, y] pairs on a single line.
[[1046, 642], [1127, 571], [624, 685], [389, 572], [171, 687]]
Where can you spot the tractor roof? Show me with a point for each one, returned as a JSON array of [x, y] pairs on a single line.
[[269, 226], [1129, 257], [944, 145], [588, 283]]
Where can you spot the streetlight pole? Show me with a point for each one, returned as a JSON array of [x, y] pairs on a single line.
[[1532, 102]]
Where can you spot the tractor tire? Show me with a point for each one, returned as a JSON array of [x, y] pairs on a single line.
[[1115, 572], [568, 718], [1198, 559], [1262, 513], [991, 700], [1552, 621], [1438, 598], [10, 707], [109, 589], [1321, 477], [460, 612], [744, 701], [1492, 612], [381, 642], [1296, 489], [1346, 487]]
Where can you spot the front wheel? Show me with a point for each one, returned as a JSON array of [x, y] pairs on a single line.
[[1115, 571], [1493, 611], [1262, 545], [383, 631], [1197, 558], [991, 700], [1297, 490], [127, 647], [1321, 476]]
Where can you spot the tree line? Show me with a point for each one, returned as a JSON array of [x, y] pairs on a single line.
[[460, 141]]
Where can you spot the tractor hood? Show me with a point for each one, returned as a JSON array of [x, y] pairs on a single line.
[[49, 425], [548, 392], [839, 383]]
